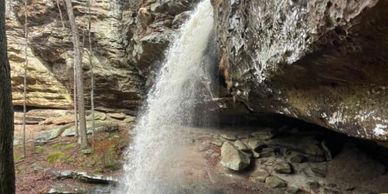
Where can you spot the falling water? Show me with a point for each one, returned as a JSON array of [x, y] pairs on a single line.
[[170, 104]]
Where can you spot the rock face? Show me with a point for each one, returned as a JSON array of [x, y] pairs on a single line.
[[321, 61], [128, 37], [232, 158]]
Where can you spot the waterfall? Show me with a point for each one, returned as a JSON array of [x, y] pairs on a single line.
[[170, 104]]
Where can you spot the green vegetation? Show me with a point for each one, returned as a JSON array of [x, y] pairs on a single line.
[[55, 156]]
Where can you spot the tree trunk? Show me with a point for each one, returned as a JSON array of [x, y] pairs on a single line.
[[78, 69], [60, 14], [25, 76], [91, 65], [7, 172]]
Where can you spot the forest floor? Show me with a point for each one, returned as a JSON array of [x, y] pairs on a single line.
[[37, 172], [293, 158]]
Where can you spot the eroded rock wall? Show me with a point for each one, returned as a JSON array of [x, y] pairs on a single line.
[[128, 38], [325, 62]]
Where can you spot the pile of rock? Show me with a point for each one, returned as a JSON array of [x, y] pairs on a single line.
[[274, 157], [63, 125]]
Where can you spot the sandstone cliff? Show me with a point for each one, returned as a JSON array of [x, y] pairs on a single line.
[[321, 61], [127, 38]]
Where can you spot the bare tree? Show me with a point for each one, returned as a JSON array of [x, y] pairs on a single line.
[[60, 14], [25, 75], [8, 7], [91, 64], [79, 80], [75, 103], [7, 171]]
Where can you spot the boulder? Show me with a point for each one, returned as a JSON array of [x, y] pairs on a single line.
[[283, 167], [118, 116], [260, 175], [234, 159], [65, 189], [107, 126], [50, 134], [229, 137], [85, 177], [255, 143], [275, 182], [241, 146], [97, 116]]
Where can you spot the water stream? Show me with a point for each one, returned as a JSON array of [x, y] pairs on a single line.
[[170, 104]]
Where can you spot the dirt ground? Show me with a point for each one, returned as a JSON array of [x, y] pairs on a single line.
[[34, 172], [354, 167]]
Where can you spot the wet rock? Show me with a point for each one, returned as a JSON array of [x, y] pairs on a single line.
[[241, 146], [255, 143], [129, 119], [283, 167], [234, 159], [85, 177], [66, 189], [275, 182], [259, 175], [103, 189], [94, 179], [229, 137], [180, 18]]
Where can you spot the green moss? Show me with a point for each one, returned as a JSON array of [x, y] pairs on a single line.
[[58, 146], [17, 156], [110, 159], [55, 156], [39, 149], [69, 146], [63, 146]]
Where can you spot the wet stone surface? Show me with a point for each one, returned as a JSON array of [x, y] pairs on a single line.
[[292, 160]]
